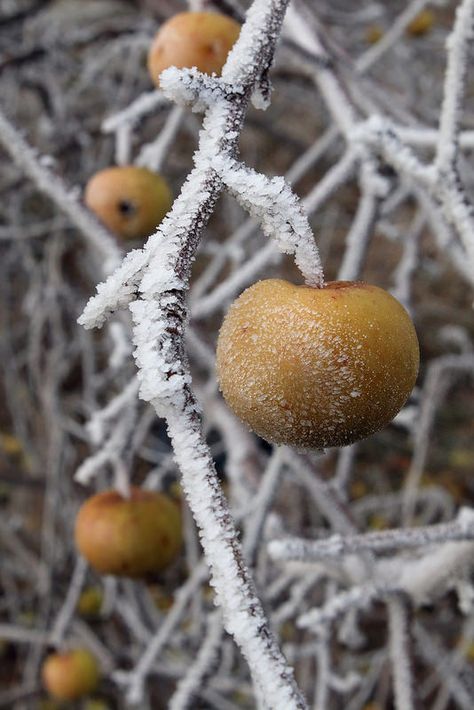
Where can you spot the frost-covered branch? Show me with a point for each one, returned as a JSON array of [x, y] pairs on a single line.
[[372, 55], [67, 610], [398, 627], [361, 597], [134, 680], [152, 156], [95, 235], [271, 201], [141, 107], [457, 44], [153, 282], [301, 28], [436, 382], [431, 652], [422, 578], [377, 542], [207, 656], [373, 188], [381, 135], [264, 498]]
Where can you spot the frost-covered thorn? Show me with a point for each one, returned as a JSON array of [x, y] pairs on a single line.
[[190, 87]]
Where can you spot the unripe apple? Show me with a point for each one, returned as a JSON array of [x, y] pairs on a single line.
[[97, 704], [373, 34], [316, 367], [192, 39], [162, 598], [421, 23], [129, 536], [129, 200], [90, 602], [70, 675]]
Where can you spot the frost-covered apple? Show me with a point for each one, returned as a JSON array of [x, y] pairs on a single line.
[[316, 367], [129, 200], [129, 536], [192, 39], [70, 675]]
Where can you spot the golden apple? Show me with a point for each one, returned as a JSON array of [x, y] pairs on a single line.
[[316, 367], [70, 675], [129, 536], [129, 200], [192, 39]]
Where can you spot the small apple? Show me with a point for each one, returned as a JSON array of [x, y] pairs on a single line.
[[162, 599], [90, 602], [316, 367], [421, 23], [70, 675], [97, 704], [129, 536], [373, 34], [192, 39], [129, 200]]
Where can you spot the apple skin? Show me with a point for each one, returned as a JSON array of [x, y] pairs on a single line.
[[129, 537], [130, 201], [192, 39], [316, 367], [70, 675]]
